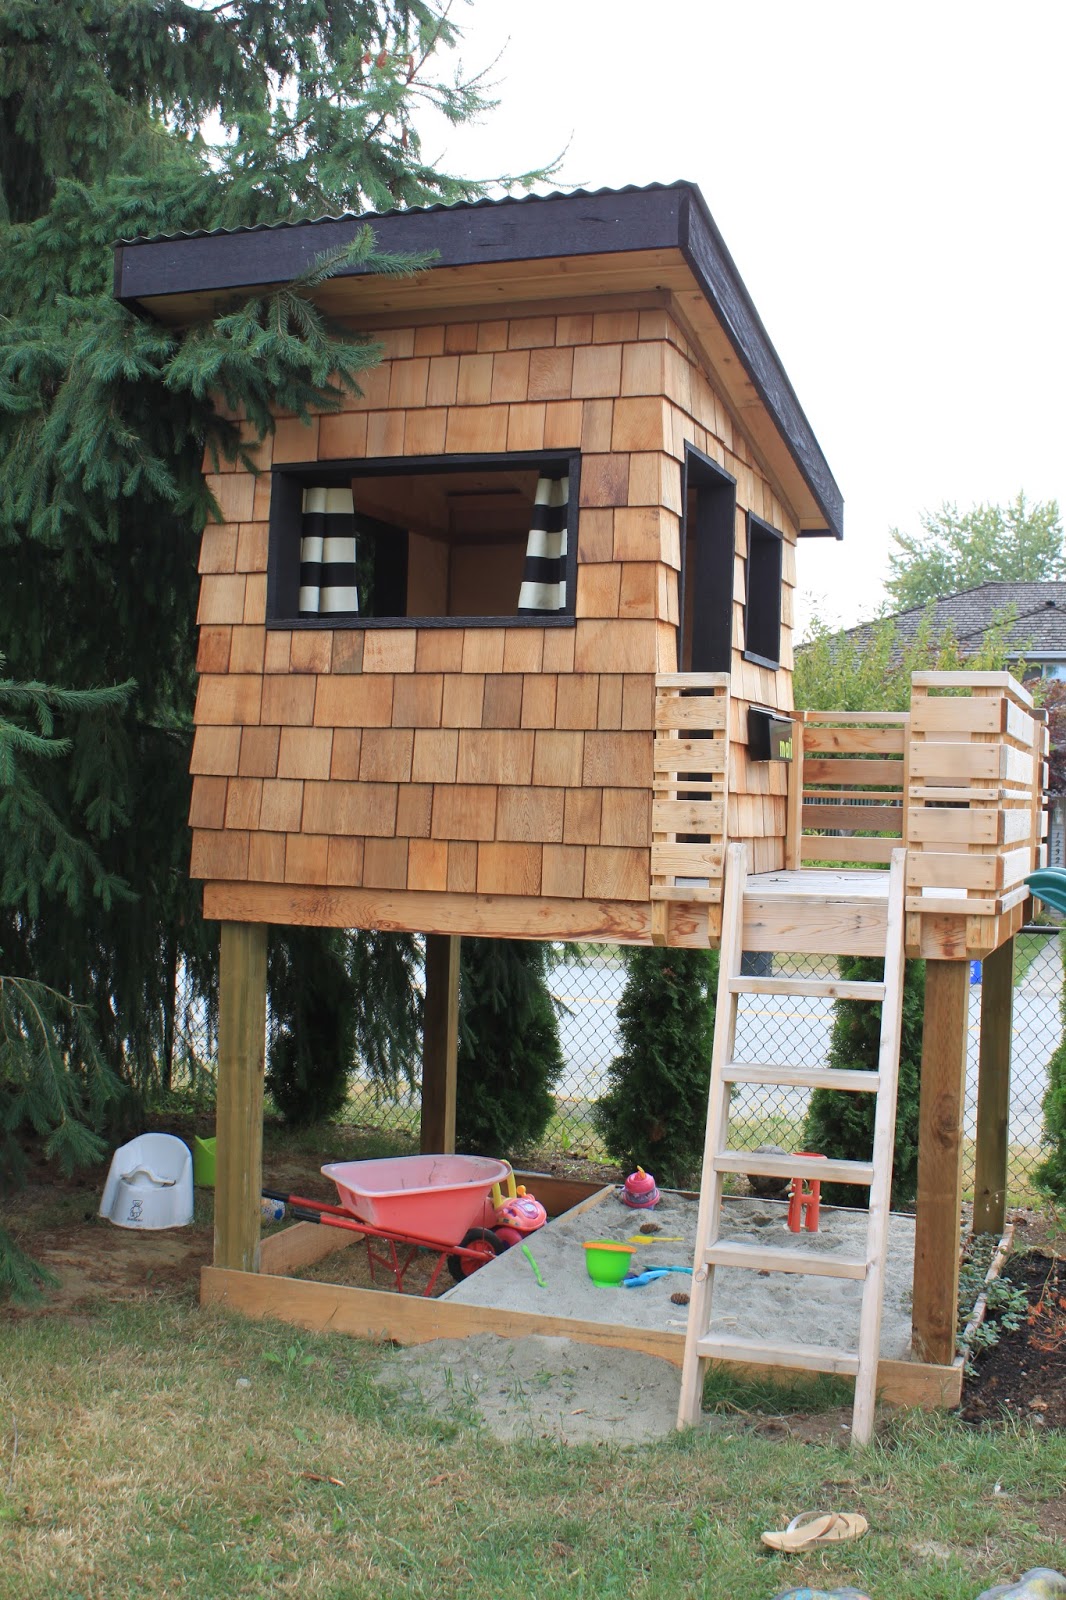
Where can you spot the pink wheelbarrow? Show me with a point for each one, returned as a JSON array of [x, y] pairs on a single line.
[[441, 1203]]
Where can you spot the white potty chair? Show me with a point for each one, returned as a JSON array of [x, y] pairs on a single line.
[[149, 1184]]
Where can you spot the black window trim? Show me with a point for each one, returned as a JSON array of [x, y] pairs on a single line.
[[286, 493], [765, 530]]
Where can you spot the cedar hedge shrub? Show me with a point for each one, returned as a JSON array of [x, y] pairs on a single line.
[[841, 1125], [312, 1039], [655, 1110], [1050, 1175], [509, 1053]]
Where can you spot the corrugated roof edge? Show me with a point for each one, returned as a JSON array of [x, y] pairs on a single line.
[[404, 211], [687, 224]]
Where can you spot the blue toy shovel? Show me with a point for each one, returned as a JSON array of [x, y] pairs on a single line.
[[650, 1276]]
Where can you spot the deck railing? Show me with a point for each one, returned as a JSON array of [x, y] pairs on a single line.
[[691, 761], [959, 780], [848, 787], [975, 818]]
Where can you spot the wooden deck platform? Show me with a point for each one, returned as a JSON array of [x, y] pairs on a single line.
[[817, 911]]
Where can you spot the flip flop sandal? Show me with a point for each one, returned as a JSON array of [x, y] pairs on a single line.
[[813, 1528]]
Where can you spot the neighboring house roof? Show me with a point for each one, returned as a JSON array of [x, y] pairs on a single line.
[[1037, 632], [660, 236]]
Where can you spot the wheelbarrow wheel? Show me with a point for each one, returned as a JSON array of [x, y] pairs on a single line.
[[485, 1245]]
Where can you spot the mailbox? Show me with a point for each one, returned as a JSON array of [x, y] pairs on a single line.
[[769, 735]]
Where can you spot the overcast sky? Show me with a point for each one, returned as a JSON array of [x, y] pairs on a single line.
[[889, 181]]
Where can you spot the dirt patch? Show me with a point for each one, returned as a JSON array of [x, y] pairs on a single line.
[[817, 1427], [55, 1220], [353, 1268], [1024, 1375]]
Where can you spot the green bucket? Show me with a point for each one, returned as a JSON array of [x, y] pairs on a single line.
[[203, 1163]]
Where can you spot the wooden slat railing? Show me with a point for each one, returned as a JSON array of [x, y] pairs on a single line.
[[848, 798], [975, 815], [691, 763]]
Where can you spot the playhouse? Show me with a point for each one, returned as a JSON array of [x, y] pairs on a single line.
[[504, 648]]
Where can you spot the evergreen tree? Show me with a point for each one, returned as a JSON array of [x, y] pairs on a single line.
[[1050, 1175], [132, 117], [842, 1125], [655, 1110], [53, 1079], [509, 1052]]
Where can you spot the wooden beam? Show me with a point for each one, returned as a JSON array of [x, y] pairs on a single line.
[[239, 1103], [993, 1090], [409, 1319], [943, 1086], [492, 916], [302, 1245], [440, 1044]]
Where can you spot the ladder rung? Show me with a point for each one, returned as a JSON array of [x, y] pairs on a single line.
[[815, 1168], [759, 1258], [810, 1357], [822, 988], [802, 1077]]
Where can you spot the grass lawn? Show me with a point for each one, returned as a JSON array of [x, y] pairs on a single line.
[[151, 1448]]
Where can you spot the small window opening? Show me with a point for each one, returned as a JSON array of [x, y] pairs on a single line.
[[762, 610]]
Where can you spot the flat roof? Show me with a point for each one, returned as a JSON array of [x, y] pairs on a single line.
[[663, 233]]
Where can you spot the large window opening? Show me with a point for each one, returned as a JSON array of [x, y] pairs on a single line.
[[485, 539]]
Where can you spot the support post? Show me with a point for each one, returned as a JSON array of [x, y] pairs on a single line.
[[440, 1044], [943, 1088], [794, 802], [993, 1090], [239, 1109]]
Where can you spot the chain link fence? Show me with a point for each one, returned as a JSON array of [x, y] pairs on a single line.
[[588, 985]]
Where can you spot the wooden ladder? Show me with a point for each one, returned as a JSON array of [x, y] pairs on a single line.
[[703, 1345]]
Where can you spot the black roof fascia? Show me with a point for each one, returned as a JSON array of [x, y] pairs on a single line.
[[713, 268], [659, 217]]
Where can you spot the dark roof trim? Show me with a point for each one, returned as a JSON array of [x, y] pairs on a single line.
[[705, 251], [609, 221]]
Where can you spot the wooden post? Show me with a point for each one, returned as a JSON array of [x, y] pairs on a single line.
[[794, 805], [440, 1043], [993, 1090], [239, 1107], [943, 1088]]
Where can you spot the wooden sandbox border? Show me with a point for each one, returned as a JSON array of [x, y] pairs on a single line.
[[408, 1319]]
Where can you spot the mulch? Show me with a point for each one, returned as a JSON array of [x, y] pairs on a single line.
[[1024, 1375]]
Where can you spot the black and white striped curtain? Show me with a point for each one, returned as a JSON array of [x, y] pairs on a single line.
[[327, 553], [544, 575]]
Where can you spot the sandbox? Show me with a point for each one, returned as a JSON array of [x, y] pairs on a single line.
[[807, 1310], [503, 1299]]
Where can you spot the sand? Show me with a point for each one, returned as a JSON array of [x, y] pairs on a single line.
[[789, 1306], [538, 1388]]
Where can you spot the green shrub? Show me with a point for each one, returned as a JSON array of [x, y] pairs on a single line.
[[655, 1110], [841, 1125], [509, 1053], [311, 1044], [1050, 1175]]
